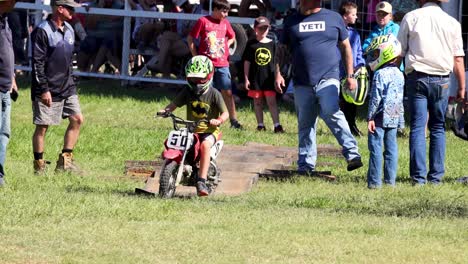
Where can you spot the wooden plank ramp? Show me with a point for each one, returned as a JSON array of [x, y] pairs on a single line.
[[241, 167]]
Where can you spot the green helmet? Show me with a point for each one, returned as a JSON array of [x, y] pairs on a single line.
[[199, 73], [358, 95], [381, 50]]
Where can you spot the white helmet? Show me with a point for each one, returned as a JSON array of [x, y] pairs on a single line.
[[459, 116], [381, 50], [358, 95]]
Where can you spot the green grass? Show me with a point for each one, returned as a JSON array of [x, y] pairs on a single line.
[[59, 218]]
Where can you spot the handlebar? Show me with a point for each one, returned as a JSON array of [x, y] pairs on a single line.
[[176, 121]]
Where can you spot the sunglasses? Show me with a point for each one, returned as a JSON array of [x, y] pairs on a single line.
[[69, 8]]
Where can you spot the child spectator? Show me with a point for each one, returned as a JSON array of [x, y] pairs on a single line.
[[203, 102], [385, 24], [385, 110], [348, 10], [259, 73], [216, 35]]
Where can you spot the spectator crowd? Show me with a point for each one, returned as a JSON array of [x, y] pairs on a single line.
[[320, 69]]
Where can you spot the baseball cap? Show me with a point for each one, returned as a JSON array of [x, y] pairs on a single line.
[[261, 21], [384, 6], [69, 3]]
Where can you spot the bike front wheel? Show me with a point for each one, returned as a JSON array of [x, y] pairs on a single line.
[[167, 179]]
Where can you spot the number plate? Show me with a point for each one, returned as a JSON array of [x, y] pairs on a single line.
[[177, 140]]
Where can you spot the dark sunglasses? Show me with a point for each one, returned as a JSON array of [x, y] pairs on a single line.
[[69, 8]]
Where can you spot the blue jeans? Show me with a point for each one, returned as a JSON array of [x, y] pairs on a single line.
[[222, 78], [310, 102], [4, 128], [382, 137], [427, 95]]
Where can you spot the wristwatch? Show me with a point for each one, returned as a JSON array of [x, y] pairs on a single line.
[[350, 76]]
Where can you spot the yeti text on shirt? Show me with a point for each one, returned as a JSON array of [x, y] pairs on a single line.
[[313, 40]]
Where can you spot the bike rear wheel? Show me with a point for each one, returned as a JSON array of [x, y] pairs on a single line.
[[167, 179]]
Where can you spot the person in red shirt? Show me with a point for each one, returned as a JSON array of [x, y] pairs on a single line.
[[215, 35]]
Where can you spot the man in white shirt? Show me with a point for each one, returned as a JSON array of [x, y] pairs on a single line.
[[432, 47]]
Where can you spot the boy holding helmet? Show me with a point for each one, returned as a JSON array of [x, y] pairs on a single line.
[[385, 113], [203, 102], [353, 98]]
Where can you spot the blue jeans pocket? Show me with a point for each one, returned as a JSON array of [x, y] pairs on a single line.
[[443, 90]]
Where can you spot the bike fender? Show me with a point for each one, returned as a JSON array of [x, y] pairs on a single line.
[[172, 154]]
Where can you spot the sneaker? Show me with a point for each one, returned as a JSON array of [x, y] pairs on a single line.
[[2, 182], [355, 163], [40, 166], [279, 129], [202, 189], [235, 124], [261, 128], [66, 162]]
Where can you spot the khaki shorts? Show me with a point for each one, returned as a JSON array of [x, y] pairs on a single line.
[[53, 115]]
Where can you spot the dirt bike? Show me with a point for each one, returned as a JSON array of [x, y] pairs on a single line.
[[181, 157]]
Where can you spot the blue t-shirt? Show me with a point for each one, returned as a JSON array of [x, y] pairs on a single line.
[[313, 40]]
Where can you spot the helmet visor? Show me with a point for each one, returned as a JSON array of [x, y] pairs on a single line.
[[197, 80]]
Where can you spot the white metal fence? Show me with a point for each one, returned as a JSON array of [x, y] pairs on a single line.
[[454, 8], [127, 13]]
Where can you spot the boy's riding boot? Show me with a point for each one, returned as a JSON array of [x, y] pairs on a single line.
[[39, 166], [65, 162]]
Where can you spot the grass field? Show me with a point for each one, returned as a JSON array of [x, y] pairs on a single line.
[[96, 218]]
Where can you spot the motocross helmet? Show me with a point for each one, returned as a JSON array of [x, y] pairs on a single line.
[[459, 117], [199, 73], [358, 95], [381, 50]]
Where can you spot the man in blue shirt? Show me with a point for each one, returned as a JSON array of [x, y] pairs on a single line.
[[312, 35], [7, 81], [53, 90]]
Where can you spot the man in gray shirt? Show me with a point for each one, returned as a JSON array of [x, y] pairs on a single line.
[[7, 81]]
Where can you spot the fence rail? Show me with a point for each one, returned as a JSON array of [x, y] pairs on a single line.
[[127, 13]]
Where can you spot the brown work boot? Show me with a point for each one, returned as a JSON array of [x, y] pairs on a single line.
[[66, 162], [40, 166]]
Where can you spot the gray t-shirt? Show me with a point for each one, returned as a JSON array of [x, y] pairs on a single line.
[[7, 61], [313, 40]]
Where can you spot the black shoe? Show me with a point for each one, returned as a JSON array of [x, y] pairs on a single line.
[[235, 124], [202, 189], [355, 163], [261, 128], [355, 131], [279, 129]]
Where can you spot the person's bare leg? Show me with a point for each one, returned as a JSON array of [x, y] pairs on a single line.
[[165, 43], [204, 159], [114, 60], [273, 108], [258, 107], [229, 101], [73, 131], [38, 138], [100, 58]]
